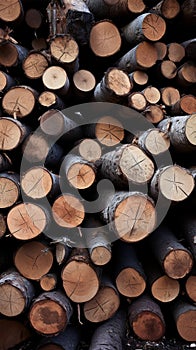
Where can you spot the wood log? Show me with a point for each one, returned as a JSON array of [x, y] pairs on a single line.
[[55, 79], [48, 99], [154, 113], [48, 282], [16, 293], [3, 226], [5, 161], [187, 74], [129, 274], [114, 86], [142, 56], [152, 94], [137, 101], [18, 334], [190, 287], [181, 132], [90, 150], [9, 189], [176, 52], [154, 142], [6, 81], [184, 316], [84, 84], [35, 64], [187, 227], [161, 50], [168, 9], [167, 69], [131, 215], [77, 271], [175, 259], [146, 319], [12, 55], [188, 12], [123, 165], [190, 48], [62, 252], [33, 18], [11, 12], [68, 211], [139, 77], [110, 334], [12, 133], [147, 26], [50, 313], [170, 96], [105, 303], [185, 105], [66, 340], [33, 260], [109, 131]]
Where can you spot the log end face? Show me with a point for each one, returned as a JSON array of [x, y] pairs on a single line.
[[12, 301], [165, 289], [68, 211], [190, 129], [178, 263], [146, 54], [153, 27], [130, 283], [148, 326], [100, 256], [105, 39], [186, 325]]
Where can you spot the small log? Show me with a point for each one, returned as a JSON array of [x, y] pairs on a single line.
[[77, 271], [6, 81], [154, 113], [190, 48], [188, 11], [123, 165], [146, 319], [185, 105], [64, 51], [62, 252], [110, 335], [114, 86], [139, 77], [12, 55], [38, 182], [50, 313], [90, 150], [129, 274], [161, 50], [11, 11], [137, 101], [167, 69], [3, 226], [168, 9], [27, 220], [181, 132], [185, 316], [152, 94], [5, 161], [48, 282], [105, 39], [190, 287], [84, 84], [109, 131], [16, 293], [33, 18], [18, 334], [35, 64], [12, 133], [147, 26], [131, 215], [48, 99], [105, 303], [9, 188], [142, 56], [19, 101], [187, 74], [175, 259], [66, 340], [154, 142], [33, 260], [173, 182], [55, 78], [68, 211], [170, 96], [176, 52]]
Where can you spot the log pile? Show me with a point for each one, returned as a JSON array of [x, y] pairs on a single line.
[[97, 172]]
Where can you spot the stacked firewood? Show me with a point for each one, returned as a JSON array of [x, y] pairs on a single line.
[[97, 172]]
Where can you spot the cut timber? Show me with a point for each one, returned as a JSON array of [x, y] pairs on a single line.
[[170, 96], [62, 252], [35, 64], [33, 260], [139, 77], [6, 81], [188, 10], [48, 282], [190, 48], [105, 39], [175, 259], [84, 83], [33, 18], [5, 161], [173, 182], [49, 99], [11, 10], [27, 220], [55, 78], [66, 340], [146, 319], [137, 101], [142, 56], [110, 335], [19, 101], [16, 294], [12, 133], [50, 313], [127, 163], [161, 50], [3, 226], [185, 105], [147, 26], [79, 172], [75, 274], [114, 86], [154, 141], [187, 74], [131, 215], [181, 131], [38, 182], [18, 334], [105, 303], [12, 55], [167, 69], [154, 113], [109, 131], [90, 150], [64, 50], [129, 275], [152, 94], [190, 287], [176, 52], [9, 189], [185, 319], [168, 9], [68, 211]]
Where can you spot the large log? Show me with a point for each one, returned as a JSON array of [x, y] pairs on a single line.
[[12, 133], [68, 211], [154, 142], [12, 11], [12, 333]]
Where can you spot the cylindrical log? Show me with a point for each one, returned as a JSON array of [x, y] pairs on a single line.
[[185, 318], [11, 11], [18, 334], [185, 105], [75, 274], [33, 18], [167, 69], [176, 52], [187, 74], [16, 293], [187, 227], [9, 188], [190, 48], [129, 274], [84, 84], [114, 86], [12, 55], [5, 161], [137, 101], [188, 12], [139, 77], [105, 303], [49, 99], [3, 225], [170, 96], [62, 252], [147, 26], [68, 211], [190, 287], [154, 141], [175, 259], [168, 9], [12, 133], [161, 50], [90, 150], [35, 64], [131, 215], [109, 131], [66, 340], [50, 313], [6, 81], [142, 56], [154, 113], [146, 319], [33, 260], [102, 44], [55, 78], [152, 94], [48, 282]]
